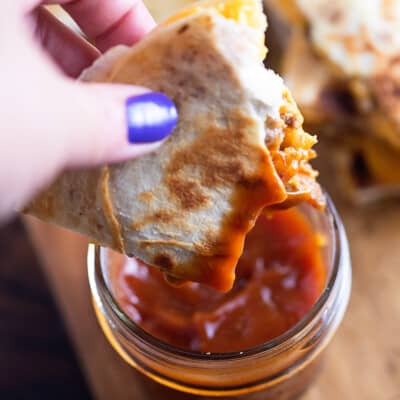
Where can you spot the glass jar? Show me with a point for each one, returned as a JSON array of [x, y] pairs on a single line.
[[280, 369]]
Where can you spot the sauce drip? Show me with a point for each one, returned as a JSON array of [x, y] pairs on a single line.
[[279, 278]]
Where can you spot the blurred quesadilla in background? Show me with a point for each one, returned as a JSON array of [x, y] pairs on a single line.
[[341, 60]]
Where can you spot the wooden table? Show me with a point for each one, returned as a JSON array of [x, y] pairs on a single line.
[[37, 361]]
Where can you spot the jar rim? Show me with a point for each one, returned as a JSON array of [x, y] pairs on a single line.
[[94, 264]]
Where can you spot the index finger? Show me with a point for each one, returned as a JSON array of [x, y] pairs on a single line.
[[109, 22]]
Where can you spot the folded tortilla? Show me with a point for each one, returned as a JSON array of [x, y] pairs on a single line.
[[239, 146]]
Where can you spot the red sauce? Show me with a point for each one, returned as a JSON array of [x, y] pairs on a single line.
[[278, 279]]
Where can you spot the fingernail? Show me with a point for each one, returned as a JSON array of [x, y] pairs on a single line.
[[151, 117]]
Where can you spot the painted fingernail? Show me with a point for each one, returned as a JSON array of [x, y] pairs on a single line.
[[151, 117]]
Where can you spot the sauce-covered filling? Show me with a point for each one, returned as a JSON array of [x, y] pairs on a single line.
[[278, 279]]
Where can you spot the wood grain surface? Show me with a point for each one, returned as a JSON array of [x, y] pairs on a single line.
[[36, 359]]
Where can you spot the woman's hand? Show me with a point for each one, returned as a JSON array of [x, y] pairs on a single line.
[[48, 121]]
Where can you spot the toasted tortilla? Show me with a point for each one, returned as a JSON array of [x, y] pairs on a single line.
[[239, 146]]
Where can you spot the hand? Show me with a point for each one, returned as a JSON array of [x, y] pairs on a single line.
[[49, 121]]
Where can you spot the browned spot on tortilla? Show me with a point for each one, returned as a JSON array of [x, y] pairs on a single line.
[[146, 197], [183, 29], [221, 156], [158, 217], [163, 261], [113, 224], [188, 193], [99, 226]]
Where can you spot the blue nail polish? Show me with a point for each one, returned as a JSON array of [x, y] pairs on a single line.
[[150, 117]]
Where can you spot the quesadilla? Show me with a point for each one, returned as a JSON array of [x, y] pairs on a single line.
[[239, 147], [341, 61]]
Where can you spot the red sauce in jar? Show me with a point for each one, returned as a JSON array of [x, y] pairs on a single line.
[[278, 279]]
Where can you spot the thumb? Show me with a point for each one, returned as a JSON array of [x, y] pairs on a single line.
[[105, 123], [72, 124]]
